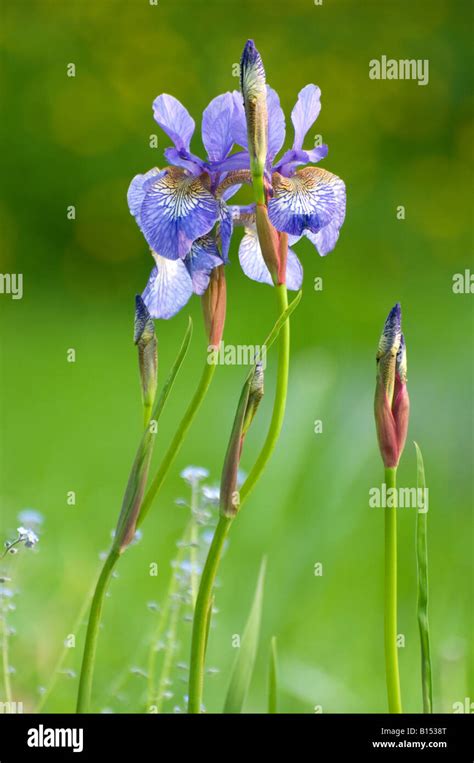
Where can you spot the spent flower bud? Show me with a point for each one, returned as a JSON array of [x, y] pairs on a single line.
[[391, 395], [214, 306]]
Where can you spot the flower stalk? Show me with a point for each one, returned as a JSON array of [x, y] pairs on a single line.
[[391, 418]]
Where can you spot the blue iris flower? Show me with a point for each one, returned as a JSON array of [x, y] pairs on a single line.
[[187, 225], [307, 201]]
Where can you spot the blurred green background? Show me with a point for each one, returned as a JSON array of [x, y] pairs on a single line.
[[75, 426]]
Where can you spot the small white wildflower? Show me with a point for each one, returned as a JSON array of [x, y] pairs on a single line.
[[27, 536], [211, 493], [194, 474]]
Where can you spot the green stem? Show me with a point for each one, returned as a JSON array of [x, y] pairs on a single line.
[[168, 655], [90, 647], [63, 654], [5, 661], [202, 615], [202, 612], [390, 602], [177, 441], [280, 399]]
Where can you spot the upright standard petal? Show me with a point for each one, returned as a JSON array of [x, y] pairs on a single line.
[[174, 120], [168, 289], [239, 123], [217, 124], [310, 199], [276, 124], [201, 261], [305, 112], [177, 209]]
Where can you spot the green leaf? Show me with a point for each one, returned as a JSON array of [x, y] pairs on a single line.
[[282, 320], [422, 601], [132, 500], [245, 660], [273, 678]]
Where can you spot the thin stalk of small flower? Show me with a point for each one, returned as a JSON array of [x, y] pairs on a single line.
[[152, 691], [390, 599], [5, 660], [194, 544], [168, 652]]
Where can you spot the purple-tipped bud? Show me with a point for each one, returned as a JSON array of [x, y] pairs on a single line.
[[145, 338], [254, 91], [391, 396]]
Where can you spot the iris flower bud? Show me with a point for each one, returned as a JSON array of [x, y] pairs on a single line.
[[250, 398], [214, 306], [391, 396], [254, 91], [145, 339]]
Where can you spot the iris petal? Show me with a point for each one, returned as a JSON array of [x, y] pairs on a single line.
[[168, 289], [239, 123], [217, 122], [176, 210], [174, 120], [326, 239], [253, 264], [251, 259], [305, 112], [186, 160], [226, 227], [295, 156], [136, 191], [310, 199], [201, 261], [294, 272], [238, 161], [276, 124]]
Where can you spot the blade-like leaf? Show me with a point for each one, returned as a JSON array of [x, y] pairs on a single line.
[[422, 602], [245, 660], [273, 678]]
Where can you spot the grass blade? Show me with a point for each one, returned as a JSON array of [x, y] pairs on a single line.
[[273, 678], [245, 661], [422, 601]]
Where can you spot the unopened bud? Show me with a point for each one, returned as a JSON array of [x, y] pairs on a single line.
[[254, 91], [391, 396], [145, 339], [250, 398]]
